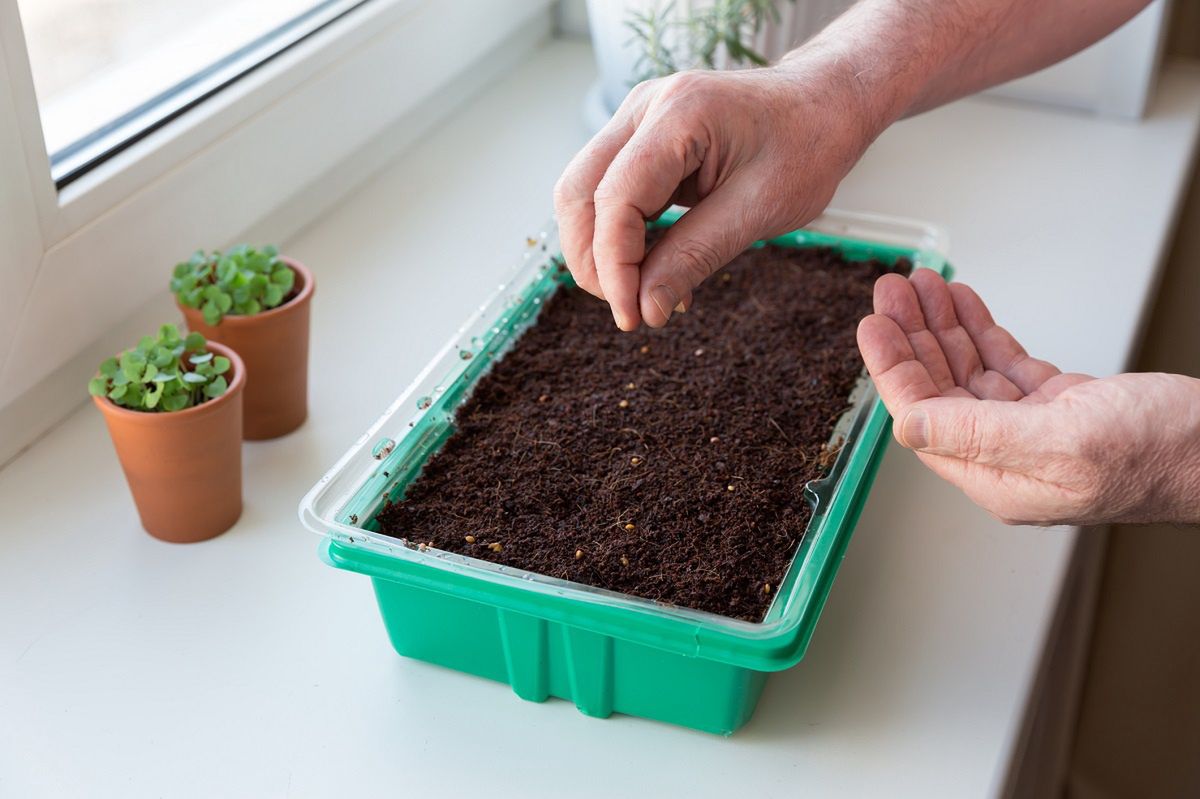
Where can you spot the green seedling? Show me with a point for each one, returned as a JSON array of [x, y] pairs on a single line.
[[164, 373], [241, 282], [669, 42]]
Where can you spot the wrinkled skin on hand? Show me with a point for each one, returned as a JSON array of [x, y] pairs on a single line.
[[753, 153], [1028, 443]]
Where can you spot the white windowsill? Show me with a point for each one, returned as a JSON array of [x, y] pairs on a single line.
[[245, 666]]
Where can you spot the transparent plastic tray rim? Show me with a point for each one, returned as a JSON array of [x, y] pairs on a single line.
[[350, 491]]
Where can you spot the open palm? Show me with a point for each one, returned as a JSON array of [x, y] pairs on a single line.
[[1025, 441]]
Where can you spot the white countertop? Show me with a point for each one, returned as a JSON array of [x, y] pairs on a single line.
[[245, 667]]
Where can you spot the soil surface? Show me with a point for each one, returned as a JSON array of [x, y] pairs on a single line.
[[668, 464]]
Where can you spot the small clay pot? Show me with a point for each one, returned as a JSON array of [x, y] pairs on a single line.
[[274, 345], [184, 468]]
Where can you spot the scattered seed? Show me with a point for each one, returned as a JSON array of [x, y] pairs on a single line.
[[631, 386], [630, 526], [422, 547], [544, 398], [623, 404], [635, 460], [726, 277], [714, 440], [470, 539], [729, 487], [645, 348], [699, 351], [578, 554], [624, 561], [767, 588], [495, 546]]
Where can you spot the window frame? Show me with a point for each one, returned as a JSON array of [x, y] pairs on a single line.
[[77, 264]]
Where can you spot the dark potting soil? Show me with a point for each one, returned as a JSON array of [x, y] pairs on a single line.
[[668, 464]]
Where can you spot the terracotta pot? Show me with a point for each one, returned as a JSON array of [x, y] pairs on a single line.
[[184, 468], [274, 345]]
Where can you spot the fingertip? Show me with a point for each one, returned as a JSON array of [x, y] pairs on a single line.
[[626, 323], [887, 288], [912, 431]]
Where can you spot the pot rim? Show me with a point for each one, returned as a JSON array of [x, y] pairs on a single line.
[[235, 386], [307, 286]]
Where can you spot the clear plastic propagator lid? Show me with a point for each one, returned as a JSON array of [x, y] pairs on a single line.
[[390, 454]]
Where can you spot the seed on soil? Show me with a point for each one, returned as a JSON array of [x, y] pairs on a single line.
[[630, 526], [635, 460], [699, 351], [714, 440], [470, 539], [645, 349], [422, 547], [578, 554], [726, 277], [729, 487], [623, 404], [767, 588], [495, 546], [631, 386], [624, 561], [544, 398]]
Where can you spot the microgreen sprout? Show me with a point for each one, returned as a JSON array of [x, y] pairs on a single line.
[[169, 372], [242, 282]]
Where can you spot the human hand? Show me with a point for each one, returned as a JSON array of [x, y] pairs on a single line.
[[754, 153], [1029, 444]]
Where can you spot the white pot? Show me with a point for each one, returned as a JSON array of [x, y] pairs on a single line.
[[617, 52]]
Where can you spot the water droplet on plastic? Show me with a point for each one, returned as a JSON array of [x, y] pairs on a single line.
[[423, 403], [537, 300], [382, 449], [476, 343]]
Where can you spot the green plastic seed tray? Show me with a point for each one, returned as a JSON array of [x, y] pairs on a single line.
[[604, 651]]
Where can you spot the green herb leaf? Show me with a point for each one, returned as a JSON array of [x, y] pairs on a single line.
[[175, 402], [109, 367], [221, 365], [98, 386], [216, 388], [212, 314], [201, 357], [193, 378], [194, 342]]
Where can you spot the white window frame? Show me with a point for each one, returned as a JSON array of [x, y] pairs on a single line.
[[76, 264]]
